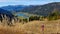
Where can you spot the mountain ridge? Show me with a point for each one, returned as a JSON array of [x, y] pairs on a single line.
[[13, 8], [43, 10]]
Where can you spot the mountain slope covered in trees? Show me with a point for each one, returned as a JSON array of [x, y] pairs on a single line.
[[13, 8], [44, 10], [5, 12]]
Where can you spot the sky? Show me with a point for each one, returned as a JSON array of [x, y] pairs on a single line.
[[25, 2]]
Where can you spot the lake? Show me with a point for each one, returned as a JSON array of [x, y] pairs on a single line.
[[21, 14]]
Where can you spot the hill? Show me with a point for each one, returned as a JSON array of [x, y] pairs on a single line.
[[43, 10], [13, 8], [5, 12], [5, 16], [33, 27]]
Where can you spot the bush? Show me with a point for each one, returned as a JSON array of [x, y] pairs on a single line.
[[25, 20], [53, 16], [31, 18], [41, 18]]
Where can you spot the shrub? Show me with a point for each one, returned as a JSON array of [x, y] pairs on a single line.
[[25, 20], [31, 18], [53, 16], [41, 18]]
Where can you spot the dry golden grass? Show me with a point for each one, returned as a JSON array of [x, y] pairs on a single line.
[[33, 27]]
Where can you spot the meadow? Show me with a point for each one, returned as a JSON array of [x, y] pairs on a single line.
[[33, 27]]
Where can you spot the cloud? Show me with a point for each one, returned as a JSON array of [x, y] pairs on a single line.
[[25, 2], [18, 0], [9, 0]]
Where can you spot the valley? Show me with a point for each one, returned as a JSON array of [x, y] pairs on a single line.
[[31, 19]]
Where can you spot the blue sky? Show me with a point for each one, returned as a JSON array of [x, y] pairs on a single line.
[[25, 2]]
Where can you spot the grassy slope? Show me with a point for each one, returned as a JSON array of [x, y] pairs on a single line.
[[33, 27]]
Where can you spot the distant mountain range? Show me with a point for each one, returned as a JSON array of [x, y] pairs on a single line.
[[12, 8], [43, 10]]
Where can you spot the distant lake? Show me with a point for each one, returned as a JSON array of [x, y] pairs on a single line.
[[21, 14]]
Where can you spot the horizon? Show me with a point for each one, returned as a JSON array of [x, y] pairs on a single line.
[[25, 2]]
